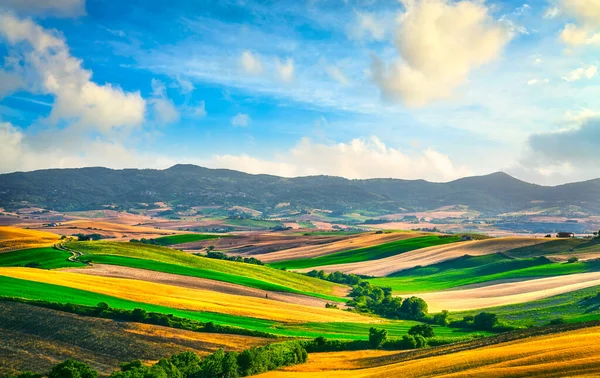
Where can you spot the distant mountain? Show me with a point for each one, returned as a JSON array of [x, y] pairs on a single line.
[[92, 188]]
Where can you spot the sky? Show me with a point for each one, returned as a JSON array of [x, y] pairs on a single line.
[[411, 89]]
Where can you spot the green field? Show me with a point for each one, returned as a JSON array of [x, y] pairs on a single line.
[[47, 258], [558, 246], [468, 270], [253, 223], [369, 253], [200, 273], [12, 287], [95, 251], [576, 306], [184, 238]]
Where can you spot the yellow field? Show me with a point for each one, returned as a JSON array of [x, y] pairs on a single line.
[[188, 299], [348, 360], [13, 238], [574, 353]]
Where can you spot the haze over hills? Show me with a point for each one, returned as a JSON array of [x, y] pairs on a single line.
[[92, 188]]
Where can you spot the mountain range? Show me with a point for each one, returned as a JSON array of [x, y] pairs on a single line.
[[95, 187]]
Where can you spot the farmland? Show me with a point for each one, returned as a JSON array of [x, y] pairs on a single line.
[[369, 253], [13, 238], [183, 238], [46, 258]]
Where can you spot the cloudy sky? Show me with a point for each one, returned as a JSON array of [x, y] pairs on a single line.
[[432, 89]]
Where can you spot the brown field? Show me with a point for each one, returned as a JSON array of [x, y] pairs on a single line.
[[508, 293], [12, 239], [345, 244], [431, 255], [572, 353], [34, 338], [116, 271], [107, 228], [187, 299]]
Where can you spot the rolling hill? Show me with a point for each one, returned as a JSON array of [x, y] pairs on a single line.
[[92, 188]]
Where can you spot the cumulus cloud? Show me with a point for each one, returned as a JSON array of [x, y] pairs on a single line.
[[9, 83], [285, 71], [241, 120], [359, 158], [581, 73], [45, 66], [538, 81], [439, 42], [587, 29], [366, 26], [251, 63], [64, 8]]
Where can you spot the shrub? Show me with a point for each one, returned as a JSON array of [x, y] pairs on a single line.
[[572, 260], [424, 330], [377, 337], [485, 321], [441, 318], [72, 369]]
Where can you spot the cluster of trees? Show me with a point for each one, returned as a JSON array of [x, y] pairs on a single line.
[[87, 237], [103, 310], [219, 364], [379, 300], [337, 277], [222, 256], [484, 321], [144, 241]]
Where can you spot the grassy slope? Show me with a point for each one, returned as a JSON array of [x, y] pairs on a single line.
[[184, 238], [576, 306], [12, 287], [369, 253], [13, 238], [558, 246], [47, 257], [94, 251], [470, 270]]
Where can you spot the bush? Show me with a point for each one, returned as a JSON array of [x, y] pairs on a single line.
[[72, 369], [441, 318], [572, 260], [377, 337], [485, 321], [557, 321], [424, 330]]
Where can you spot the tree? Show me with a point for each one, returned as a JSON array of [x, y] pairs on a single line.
[[377, 337], [572, 260], [414, 308], [424, 330], [485, 321], [441, 318], [72, 369]]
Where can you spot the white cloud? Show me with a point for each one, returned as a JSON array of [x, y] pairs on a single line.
[[251, 63], [336, 74], [581, 116], [9, 83], [46, 67], [241, 120], [439, 42], [587, 29], [285, 71], [581, 73], [185, 86], [199, 111], [66, 8], [366, 26], [552, 12], [538, 81], [359, 158], [163, 108]]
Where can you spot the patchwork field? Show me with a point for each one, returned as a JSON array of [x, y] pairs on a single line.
[[508, 293], [431, 255], [572, 353], [46, 258], [35, 338], [186, 299], [13, 238], [350, 242], [368, 254]]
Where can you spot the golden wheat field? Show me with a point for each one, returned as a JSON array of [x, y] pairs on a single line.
[[557, 355], [188, 299], [13, 238]]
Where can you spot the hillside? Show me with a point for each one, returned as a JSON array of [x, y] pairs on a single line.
[[92, 188]]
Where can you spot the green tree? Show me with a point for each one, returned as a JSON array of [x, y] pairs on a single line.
[[72, 369], [442, 318], [377, 337], [485, 321], [424, 330], [414, 308]]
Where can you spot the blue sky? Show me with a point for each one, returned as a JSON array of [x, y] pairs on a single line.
[[433, 89]]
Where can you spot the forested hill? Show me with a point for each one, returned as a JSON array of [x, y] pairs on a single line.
[[92, 188]]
